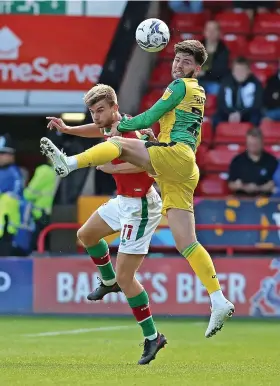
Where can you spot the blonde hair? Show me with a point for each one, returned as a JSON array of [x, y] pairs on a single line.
[[193, 48], [100, 92]]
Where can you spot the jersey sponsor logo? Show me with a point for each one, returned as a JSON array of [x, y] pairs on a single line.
[[199, 99], [196, 111], [166, 94]]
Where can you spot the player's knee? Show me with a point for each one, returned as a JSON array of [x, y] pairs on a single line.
[[86, 238], [183, 239], [81, 236], [181, 245]]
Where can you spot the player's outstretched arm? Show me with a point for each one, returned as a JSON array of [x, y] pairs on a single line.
[[87, 131], [125, 168], [172, 96]]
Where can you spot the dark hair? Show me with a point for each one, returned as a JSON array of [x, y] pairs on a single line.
[[214, 22], [241, 60], [255, 132], [193, 48]]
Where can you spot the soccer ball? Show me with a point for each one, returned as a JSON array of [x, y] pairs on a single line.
[[152, 35]]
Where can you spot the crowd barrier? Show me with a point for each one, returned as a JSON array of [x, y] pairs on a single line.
[[246, 231], [223, 225], [59, 285]]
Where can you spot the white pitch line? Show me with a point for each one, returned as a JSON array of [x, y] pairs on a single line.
[[79, 331]]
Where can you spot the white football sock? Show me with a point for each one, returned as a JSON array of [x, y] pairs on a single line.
[[217, 299], [152, 337], [72, 163], [109, 282]]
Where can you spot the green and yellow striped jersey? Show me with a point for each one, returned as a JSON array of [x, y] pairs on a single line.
[[179, 111]]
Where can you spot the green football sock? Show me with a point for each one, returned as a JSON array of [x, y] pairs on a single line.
[[142, 312], [100, 255]]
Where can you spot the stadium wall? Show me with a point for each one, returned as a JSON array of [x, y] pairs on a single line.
[[60, 286]]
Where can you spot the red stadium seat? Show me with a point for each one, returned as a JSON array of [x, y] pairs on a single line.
[[168, 52], [267, 23], [231, 22], [227, 133], [200, 156], [211, 104], [213, 186], [191, 36], [150, 98], [235, 147], [271, 132], [263, 70], [264, 48], [218, 160], [161, 75], [274, 150], [237, 45], [207, 133], [182, 22]]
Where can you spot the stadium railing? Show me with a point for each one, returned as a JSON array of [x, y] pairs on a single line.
[[229, 249]]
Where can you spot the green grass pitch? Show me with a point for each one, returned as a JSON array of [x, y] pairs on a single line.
[[105, 352]]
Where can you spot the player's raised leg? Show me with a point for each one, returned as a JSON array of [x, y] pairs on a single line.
[[182, 225], [128, 150], [91, 236]]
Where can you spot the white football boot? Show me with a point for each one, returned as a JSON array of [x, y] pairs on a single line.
[[57, 157], [218, 316]]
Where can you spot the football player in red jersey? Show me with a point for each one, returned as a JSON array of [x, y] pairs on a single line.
[[136, 212]]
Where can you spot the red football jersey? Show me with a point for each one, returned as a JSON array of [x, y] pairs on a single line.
[[135, 184]]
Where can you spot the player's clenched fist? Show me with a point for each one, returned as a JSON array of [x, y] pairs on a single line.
[[149, 132]]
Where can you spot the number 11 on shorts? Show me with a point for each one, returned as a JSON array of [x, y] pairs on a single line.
[[127, 231]]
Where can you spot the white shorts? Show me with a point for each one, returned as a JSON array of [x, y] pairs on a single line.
[[136, 218]]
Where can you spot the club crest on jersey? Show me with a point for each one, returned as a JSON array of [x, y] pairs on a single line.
[[166, 94]]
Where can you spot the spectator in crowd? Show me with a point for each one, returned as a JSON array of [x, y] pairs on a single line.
[[276, 180], [40, 192], [11, 190], [240, 96], [17, 225], [251, 173], [186, 6], [11, 180], [216, 66], [272, 97]]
